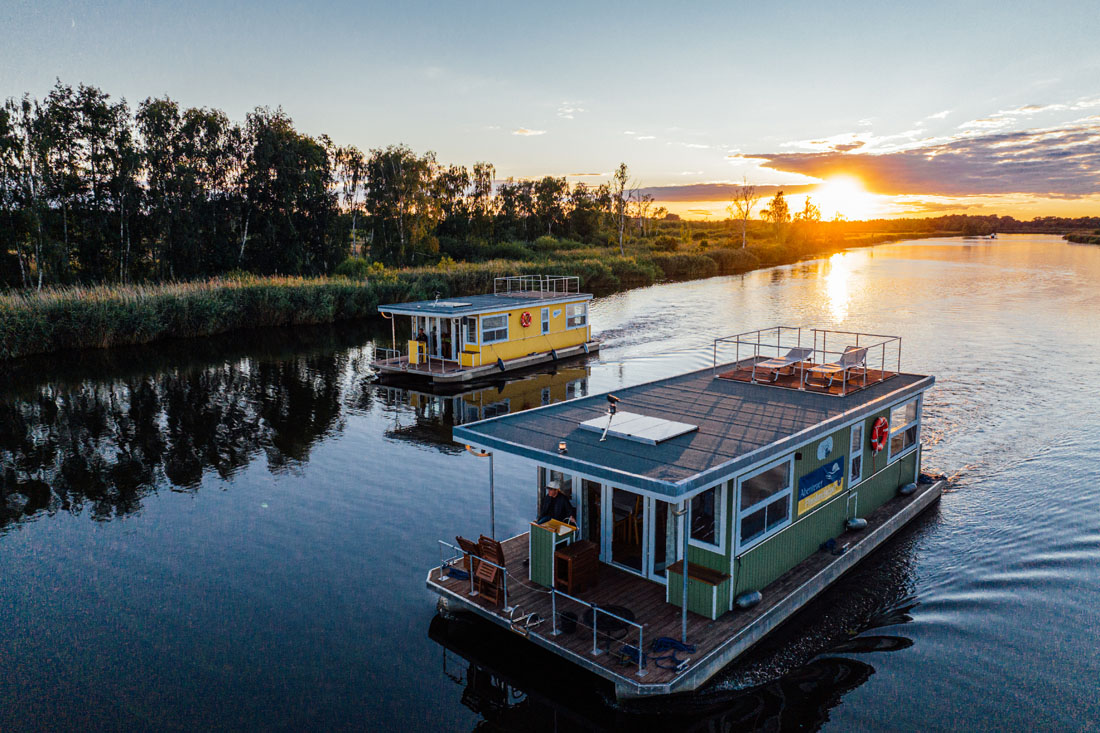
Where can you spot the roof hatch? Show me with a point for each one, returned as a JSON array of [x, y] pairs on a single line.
[[639, 428]]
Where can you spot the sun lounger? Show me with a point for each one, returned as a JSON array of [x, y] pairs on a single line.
[[772, 367], [853, 359]]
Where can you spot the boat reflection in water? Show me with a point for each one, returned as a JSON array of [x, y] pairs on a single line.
[[436, 412]]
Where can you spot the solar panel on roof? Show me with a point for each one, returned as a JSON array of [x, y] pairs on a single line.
[[639, 428]]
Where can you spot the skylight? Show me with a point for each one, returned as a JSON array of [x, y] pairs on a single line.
[[639, 428]]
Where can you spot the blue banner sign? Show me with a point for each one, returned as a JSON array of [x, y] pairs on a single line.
[[820, 484]]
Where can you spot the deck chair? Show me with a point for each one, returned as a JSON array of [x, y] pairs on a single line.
[[772, 367], [489, 578], [854, 359]]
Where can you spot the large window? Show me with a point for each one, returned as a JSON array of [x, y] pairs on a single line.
[[576, 315], [494, 329], [764, 503], [706, 517], [545, 321], [470, 327], [904, 424], [855, 455]]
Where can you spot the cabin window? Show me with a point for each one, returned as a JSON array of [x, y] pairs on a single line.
[[494, 329], [904, 425], [470, 328], [545, 321], [706, 509], [764, 506], [576, 315], [855, 463]]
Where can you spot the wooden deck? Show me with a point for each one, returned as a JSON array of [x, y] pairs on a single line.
[[717, 642], [791, 378]]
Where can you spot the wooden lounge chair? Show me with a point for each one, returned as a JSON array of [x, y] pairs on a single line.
[[853, 360], [772, 368]]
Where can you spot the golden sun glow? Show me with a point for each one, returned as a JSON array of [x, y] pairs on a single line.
[[846, 196]]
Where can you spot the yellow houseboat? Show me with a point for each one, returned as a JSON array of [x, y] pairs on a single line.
[[526, 320]]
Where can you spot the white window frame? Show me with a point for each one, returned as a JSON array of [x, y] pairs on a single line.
[[855, 450], [545, 321], [485, 341], [739, 513], [890, 455], [720, 500], [547, 399], [570, 307]]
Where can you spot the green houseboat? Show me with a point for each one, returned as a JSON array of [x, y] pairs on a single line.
[[771, 473]]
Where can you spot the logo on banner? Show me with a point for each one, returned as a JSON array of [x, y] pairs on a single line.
[[820, 484]]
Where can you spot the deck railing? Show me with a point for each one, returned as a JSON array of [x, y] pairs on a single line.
[[752, 347], [638, 652], [429, 363], [640, 657], [537, 285]]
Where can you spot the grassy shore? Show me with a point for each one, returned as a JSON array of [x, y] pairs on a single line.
[[1084, 237], [98, 317]]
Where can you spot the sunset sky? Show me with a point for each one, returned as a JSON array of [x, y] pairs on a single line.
[[874, 109]]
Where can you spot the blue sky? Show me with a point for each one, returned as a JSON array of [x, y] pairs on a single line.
[[681, 92]]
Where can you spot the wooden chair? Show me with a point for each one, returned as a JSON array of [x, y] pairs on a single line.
[[471, 551], [490, 579]]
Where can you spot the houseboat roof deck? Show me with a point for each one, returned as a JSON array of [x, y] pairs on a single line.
[[791, 357], [716, 642], [737, 420], [508, 293]]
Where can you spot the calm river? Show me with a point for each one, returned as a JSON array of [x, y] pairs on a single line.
[[234, 532]]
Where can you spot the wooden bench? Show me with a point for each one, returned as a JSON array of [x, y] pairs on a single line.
[[705, 588]]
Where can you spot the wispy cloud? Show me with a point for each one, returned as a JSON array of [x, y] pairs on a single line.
[[524, 131], [569, 110]]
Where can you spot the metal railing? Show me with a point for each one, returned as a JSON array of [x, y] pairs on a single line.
[[753, 347], [445, 563], [537, 285], [596, 611], [426, 363]]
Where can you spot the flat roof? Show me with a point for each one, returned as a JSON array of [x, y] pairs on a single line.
[[739, 424], [474, 304]]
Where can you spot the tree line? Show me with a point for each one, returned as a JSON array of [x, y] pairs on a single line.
[[93, 191]]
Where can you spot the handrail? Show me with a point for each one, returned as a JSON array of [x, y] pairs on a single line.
[[596, 611]]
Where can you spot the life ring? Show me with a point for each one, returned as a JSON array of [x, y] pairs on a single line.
[[879, 432], [525, 319]]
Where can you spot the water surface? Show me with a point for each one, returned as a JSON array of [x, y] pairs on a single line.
[[234, 532]]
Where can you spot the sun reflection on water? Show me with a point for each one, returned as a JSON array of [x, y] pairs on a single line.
[[838, 285]]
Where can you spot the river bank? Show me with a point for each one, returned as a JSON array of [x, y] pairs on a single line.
[[63, 319], [1083, 237]]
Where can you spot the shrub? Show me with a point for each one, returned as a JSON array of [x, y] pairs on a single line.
[[685, 266], [353, 268], [730, 261], [666, 243]]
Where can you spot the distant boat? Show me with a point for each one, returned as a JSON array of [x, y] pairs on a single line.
[[993, 235]]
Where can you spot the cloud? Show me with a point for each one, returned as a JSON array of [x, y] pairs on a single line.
[[646, 137], [587, 175], [716, 191], [938, 115], [525, 131], [568, 110], [1056, 161]]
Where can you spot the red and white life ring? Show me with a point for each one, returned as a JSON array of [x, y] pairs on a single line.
[[880, 431], [525, 319]]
